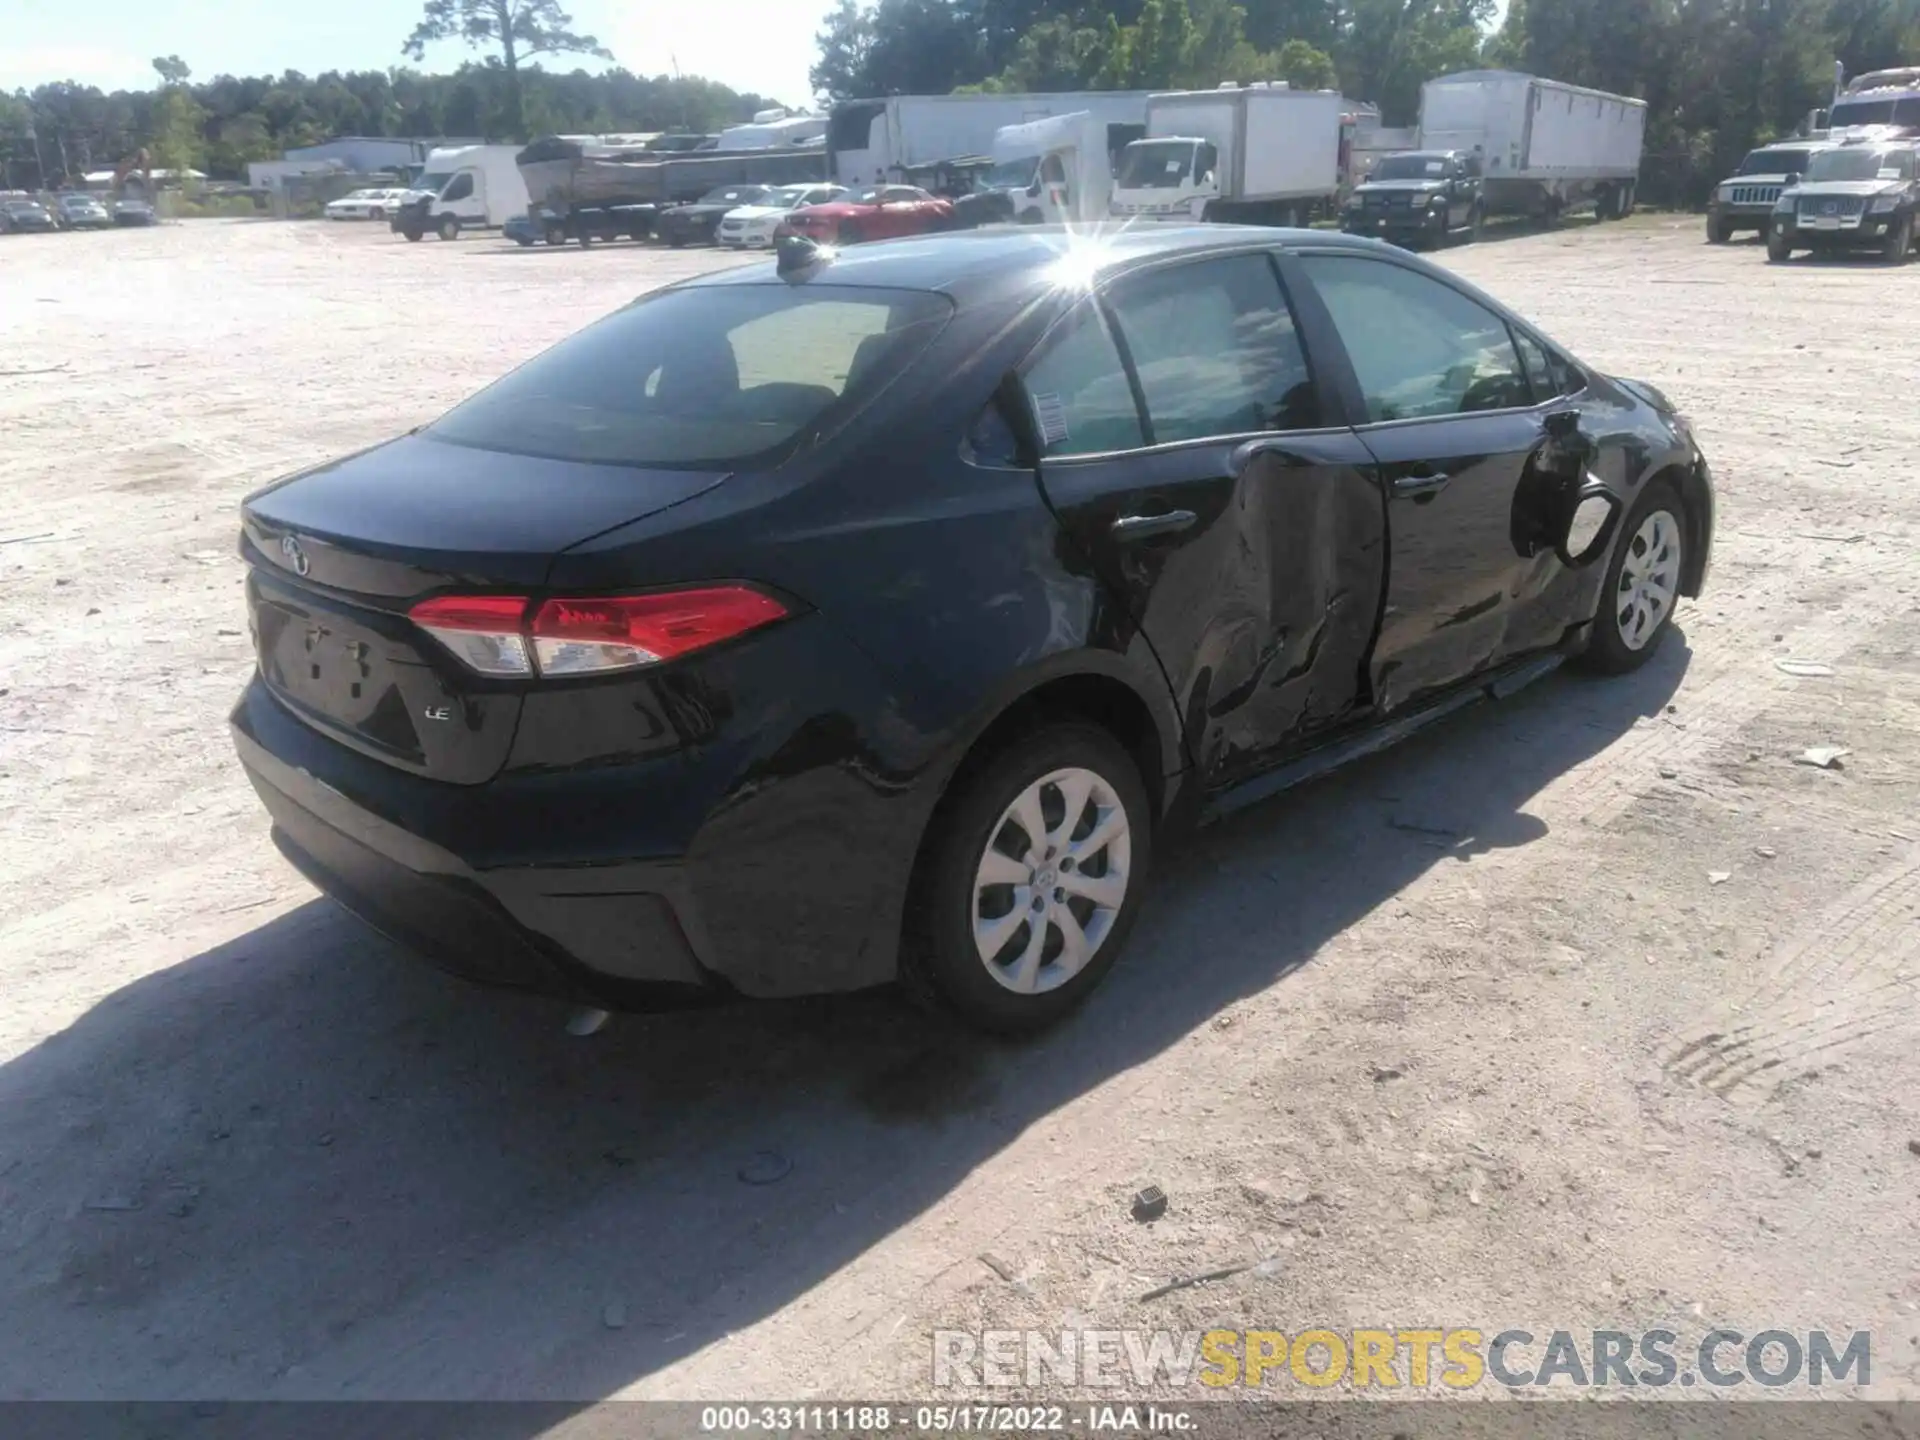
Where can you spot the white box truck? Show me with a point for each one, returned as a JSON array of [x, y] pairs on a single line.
[[1058, 170], [469, 188], [1544, 147], [1258, 155], [872, 141]]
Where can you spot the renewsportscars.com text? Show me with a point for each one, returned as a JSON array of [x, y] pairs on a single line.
[[1413, 1358]]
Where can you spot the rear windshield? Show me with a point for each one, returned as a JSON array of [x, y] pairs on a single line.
[[1411, 167], [725, 376], [1774, 162]]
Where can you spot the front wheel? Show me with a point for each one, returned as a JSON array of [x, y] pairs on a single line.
[[1031, 882], [1642, 586], [414, 233], [449, 227], [1899, 241], [1719, 230], [1779, 248], [1476, 225]]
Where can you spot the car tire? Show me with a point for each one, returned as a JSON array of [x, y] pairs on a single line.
[[1642, 585], [1899, 241], [1779, 248], [1476, 224], [957, 909], [1719, 230], [848, 232], [414, 235], [377, 213], [449, 228]]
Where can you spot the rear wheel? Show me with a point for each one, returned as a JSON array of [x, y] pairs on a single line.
[[1642, 585], [849, 233], [1899, 241], [1032, 881], [1476, 224], [377, 213]]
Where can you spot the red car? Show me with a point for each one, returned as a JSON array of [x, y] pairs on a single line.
[[880, 212]]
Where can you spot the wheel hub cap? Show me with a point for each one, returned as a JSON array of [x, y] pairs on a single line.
[[1649, 579], [1052, 881]]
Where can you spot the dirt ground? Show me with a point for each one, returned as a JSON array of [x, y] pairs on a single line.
[[1590, 1009]]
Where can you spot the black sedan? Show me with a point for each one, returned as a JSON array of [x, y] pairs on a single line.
[[25, 215], [879, 616], [696, 224]]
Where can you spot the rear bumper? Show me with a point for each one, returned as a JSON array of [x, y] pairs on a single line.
[[609, 934], [743, 822]]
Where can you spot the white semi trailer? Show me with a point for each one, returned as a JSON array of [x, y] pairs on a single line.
[[1257, 155], [872, 141], [1544, 147]]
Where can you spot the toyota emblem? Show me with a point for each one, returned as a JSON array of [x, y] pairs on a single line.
[[295, 557]]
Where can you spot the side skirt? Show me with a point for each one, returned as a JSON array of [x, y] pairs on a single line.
[[1499, 684]]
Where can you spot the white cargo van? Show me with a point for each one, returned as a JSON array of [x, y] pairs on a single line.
[[474, 187], [1257, 155], [1067, 165]]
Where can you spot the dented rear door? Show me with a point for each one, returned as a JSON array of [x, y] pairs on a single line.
[[1189, 462]]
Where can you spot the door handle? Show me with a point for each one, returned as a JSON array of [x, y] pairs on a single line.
[[1148, 527], [1420, 487]]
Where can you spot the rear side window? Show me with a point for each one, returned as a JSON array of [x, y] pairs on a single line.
[[710, 376], [1539, 369], [1215, 349], [1419, 348], [1082, 403]]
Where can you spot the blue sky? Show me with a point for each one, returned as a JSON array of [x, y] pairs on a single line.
[[764, 46], [759, 45]]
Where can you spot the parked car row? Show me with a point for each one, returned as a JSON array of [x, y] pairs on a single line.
[[753, 217], [1860, 192], [71, 210], [365, 204]]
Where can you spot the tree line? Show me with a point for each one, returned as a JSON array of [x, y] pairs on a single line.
[[217, 126], [1719, 76]]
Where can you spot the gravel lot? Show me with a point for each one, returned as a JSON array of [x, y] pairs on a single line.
[[1593, 1009]]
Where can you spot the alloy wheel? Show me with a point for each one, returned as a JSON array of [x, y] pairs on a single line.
[[1052, 881], [1649, 579]]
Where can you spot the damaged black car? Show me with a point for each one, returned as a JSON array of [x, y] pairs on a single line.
[[882, 616]]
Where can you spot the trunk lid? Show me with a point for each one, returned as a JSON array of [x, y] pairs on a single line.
[[339, 554]]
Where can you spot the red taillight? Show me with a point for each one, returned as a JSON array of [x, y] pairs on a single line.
[[484, 631], [492, 634]]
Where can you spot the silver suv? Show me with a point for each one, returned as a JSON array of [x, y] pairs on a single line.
[[1745, 199]]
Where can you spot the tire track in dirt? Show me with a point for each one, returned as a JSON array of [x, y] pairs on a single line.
[[1851, 972]]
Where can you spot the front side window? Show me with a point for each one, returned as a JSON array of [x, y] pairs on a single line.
[[1419, 348], [460, 189], [704, 377], [1082, 403], [1215, 349]]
